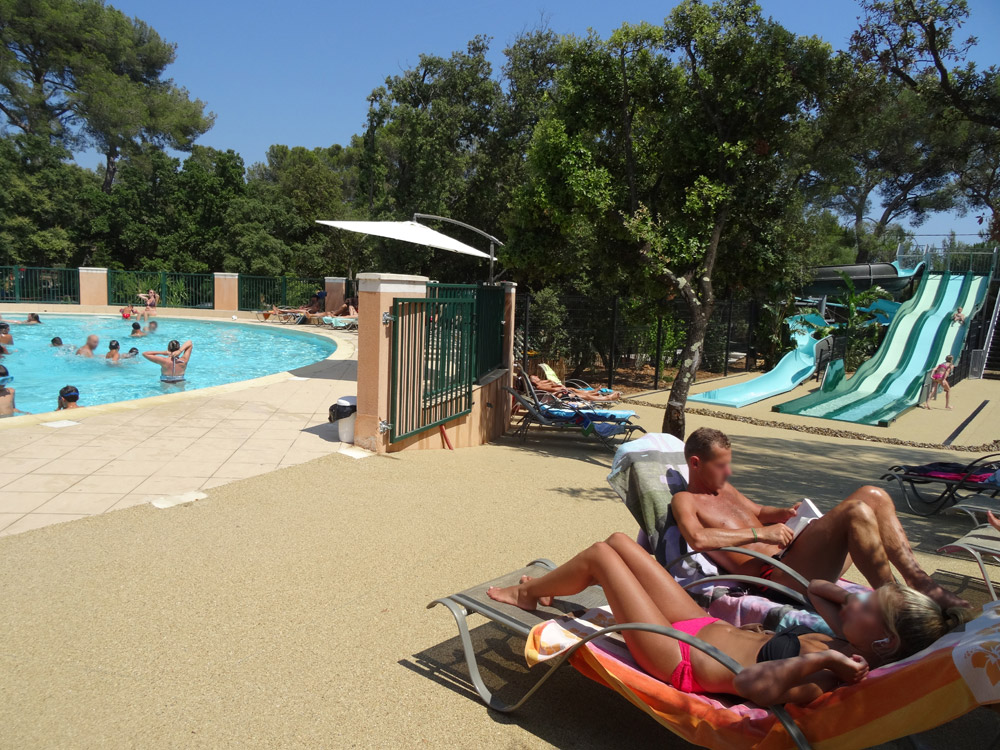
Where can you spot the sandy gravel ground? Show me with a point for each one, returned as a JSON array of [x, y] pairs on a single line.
[[288, 610]]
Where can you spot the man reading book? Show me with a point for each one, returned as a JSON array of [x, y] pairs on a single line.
[[862, 529]]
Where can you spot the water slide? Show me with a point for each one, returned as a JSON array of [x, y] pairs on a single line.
[[827, 280], [919, 337], [793, 369]]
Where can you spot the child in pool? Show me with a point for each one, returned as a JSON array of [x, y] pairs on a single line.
[[7, 407]]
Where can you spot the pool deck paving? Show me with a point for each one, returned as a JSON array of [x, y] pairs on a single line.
[[288, 609], [114, 456]]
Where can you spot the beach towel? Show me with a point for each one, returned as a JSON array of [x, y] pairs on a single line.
[[944, 681]]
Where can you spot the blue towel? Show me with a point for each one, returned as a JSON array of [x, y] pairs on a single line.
[[595, 415]]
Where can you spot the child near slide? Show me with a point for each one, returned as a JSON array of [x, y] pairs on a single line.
[[939, 379]]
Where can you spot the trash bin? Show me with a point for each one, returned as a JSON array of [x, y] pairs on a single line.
[[344, 416]]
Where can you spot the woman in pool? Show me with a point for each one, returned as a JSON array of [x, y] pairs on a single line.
[[796, 666], [939, 379], [32, 320], [173, 362], [114, 351]]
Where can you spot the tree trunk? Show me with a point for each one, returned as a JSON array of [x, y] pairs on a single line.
[[673, 418], [110, 170], [861, 241]]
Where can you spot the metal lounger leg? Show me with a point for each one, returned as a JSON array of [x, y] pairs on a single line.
[[982, 567]]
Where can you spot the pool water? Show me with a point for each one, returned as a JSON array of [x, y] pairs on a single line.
[[224, 352]]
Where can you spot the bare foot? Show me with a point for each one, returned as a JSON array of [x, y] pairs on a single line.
[[939, 594], [992, 520], [924, 406], [948, 408], [545, 601], [512, 595]]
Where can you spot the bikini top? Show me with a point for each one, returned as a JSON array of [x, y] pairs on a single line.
[[784, 645]]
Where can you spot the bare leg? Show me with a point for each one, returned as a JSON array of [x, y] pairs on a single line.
[[629, 601], [947, 394]]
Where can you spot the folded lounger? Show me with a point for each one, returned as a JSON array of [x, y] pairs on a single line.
[[341, 323], [971, 487]]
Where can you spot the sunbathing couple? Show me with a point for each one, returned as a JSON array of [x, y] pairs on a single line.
[[559, 390], [796, 666]]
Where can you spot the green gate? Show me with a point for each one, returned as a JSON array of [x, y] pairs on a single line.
[[431, 370]]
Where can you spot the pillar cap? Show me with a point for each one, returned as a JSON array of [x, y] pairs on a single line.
[[92, 269], [389, 282], [226, 275], [333, 279]]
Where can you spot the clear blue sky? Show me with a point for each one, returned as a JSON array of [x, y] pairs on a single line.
[[298, 72]]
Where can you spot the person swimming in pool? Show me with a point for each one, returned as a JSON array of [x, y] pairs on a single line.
[[137, 330], [32, 320], [56, 341], [7, 407], [88, 349], [153, 325], [131, 353], [114, 351], [69, 398], [173, 362], [5, 337]]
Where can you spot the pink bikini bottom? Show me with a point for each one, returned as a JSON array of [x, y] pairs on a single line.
[[683, 677]]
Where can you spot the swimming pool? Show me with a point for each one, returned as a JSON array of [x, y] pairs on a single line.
[[224, 352]]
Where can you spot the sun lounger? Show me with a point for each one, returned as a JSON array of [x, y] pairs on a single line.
[[341, 323], [579, 385], [959, 485], [983, 540], [610, 427]]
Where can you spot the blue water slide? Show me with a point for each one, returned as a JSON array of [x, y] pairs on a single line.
[[793, 369]]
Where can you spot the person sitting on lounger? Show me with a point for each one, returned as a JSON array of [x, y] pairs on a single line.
[[796, 666], [347, 310], [173, 362], [863, 528], [561, 390]]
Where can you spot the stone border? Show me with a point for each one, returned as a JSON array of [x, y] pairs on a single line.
[[346, 349], [993, 447]]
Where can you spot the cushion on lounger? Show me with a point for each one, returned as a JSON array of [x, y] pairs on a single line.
[[950, 678]]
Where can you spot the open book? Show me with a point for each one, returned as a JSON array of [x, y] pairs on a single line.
[[806, 514]]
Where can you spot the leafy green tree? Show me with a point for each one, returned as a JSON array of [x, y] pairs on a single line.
[[83, 73]]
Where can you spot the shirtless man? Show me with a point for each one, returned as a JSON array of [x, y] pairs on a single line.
[[173, 362], [5, 337], [69, 398], [88, 349], [863, 528]]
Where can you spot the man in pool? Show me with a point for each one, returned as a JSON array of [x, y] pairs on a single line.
[[114, 351], [5, 337], [863, 529], [173, 362], [88, 349], [56, 341], [69, 398], [7, 408], [137, 330]]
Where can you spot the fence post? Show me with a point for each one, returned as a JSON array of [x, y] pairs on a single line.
[[659, 352], [729, 336], [17, 283], [94, 286], [226, 292], [375, 294], [336, 292], [614, 341], [752, 323]]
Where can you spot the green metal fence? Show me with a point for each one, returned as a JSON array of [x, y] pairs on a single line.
[[487, 324], [58, 286], [432, 363], [195, 290], [261, 292]]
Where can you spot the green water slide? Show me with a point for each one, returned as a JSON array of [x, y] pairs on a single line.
[[920, 336]]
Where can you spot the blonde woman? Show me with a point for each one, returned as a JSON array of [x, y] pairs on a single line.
[[796, 666]]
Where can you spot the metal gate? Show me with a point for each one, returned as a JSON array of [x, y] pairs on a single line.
[[432, 360]]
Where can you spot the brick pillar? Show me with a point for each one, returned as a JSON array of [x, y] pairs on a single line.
[[94, 286], [227, 294], [375, 294], [335, 287]]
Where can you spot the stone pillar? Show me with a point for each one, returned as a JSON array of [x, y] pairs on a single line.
[[335, 287], [375, 294], [227, 292], [94, 286]]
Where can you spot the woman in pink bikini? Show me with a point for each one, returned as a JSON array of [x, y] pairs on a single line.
[[796, 666], [939, 379]]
